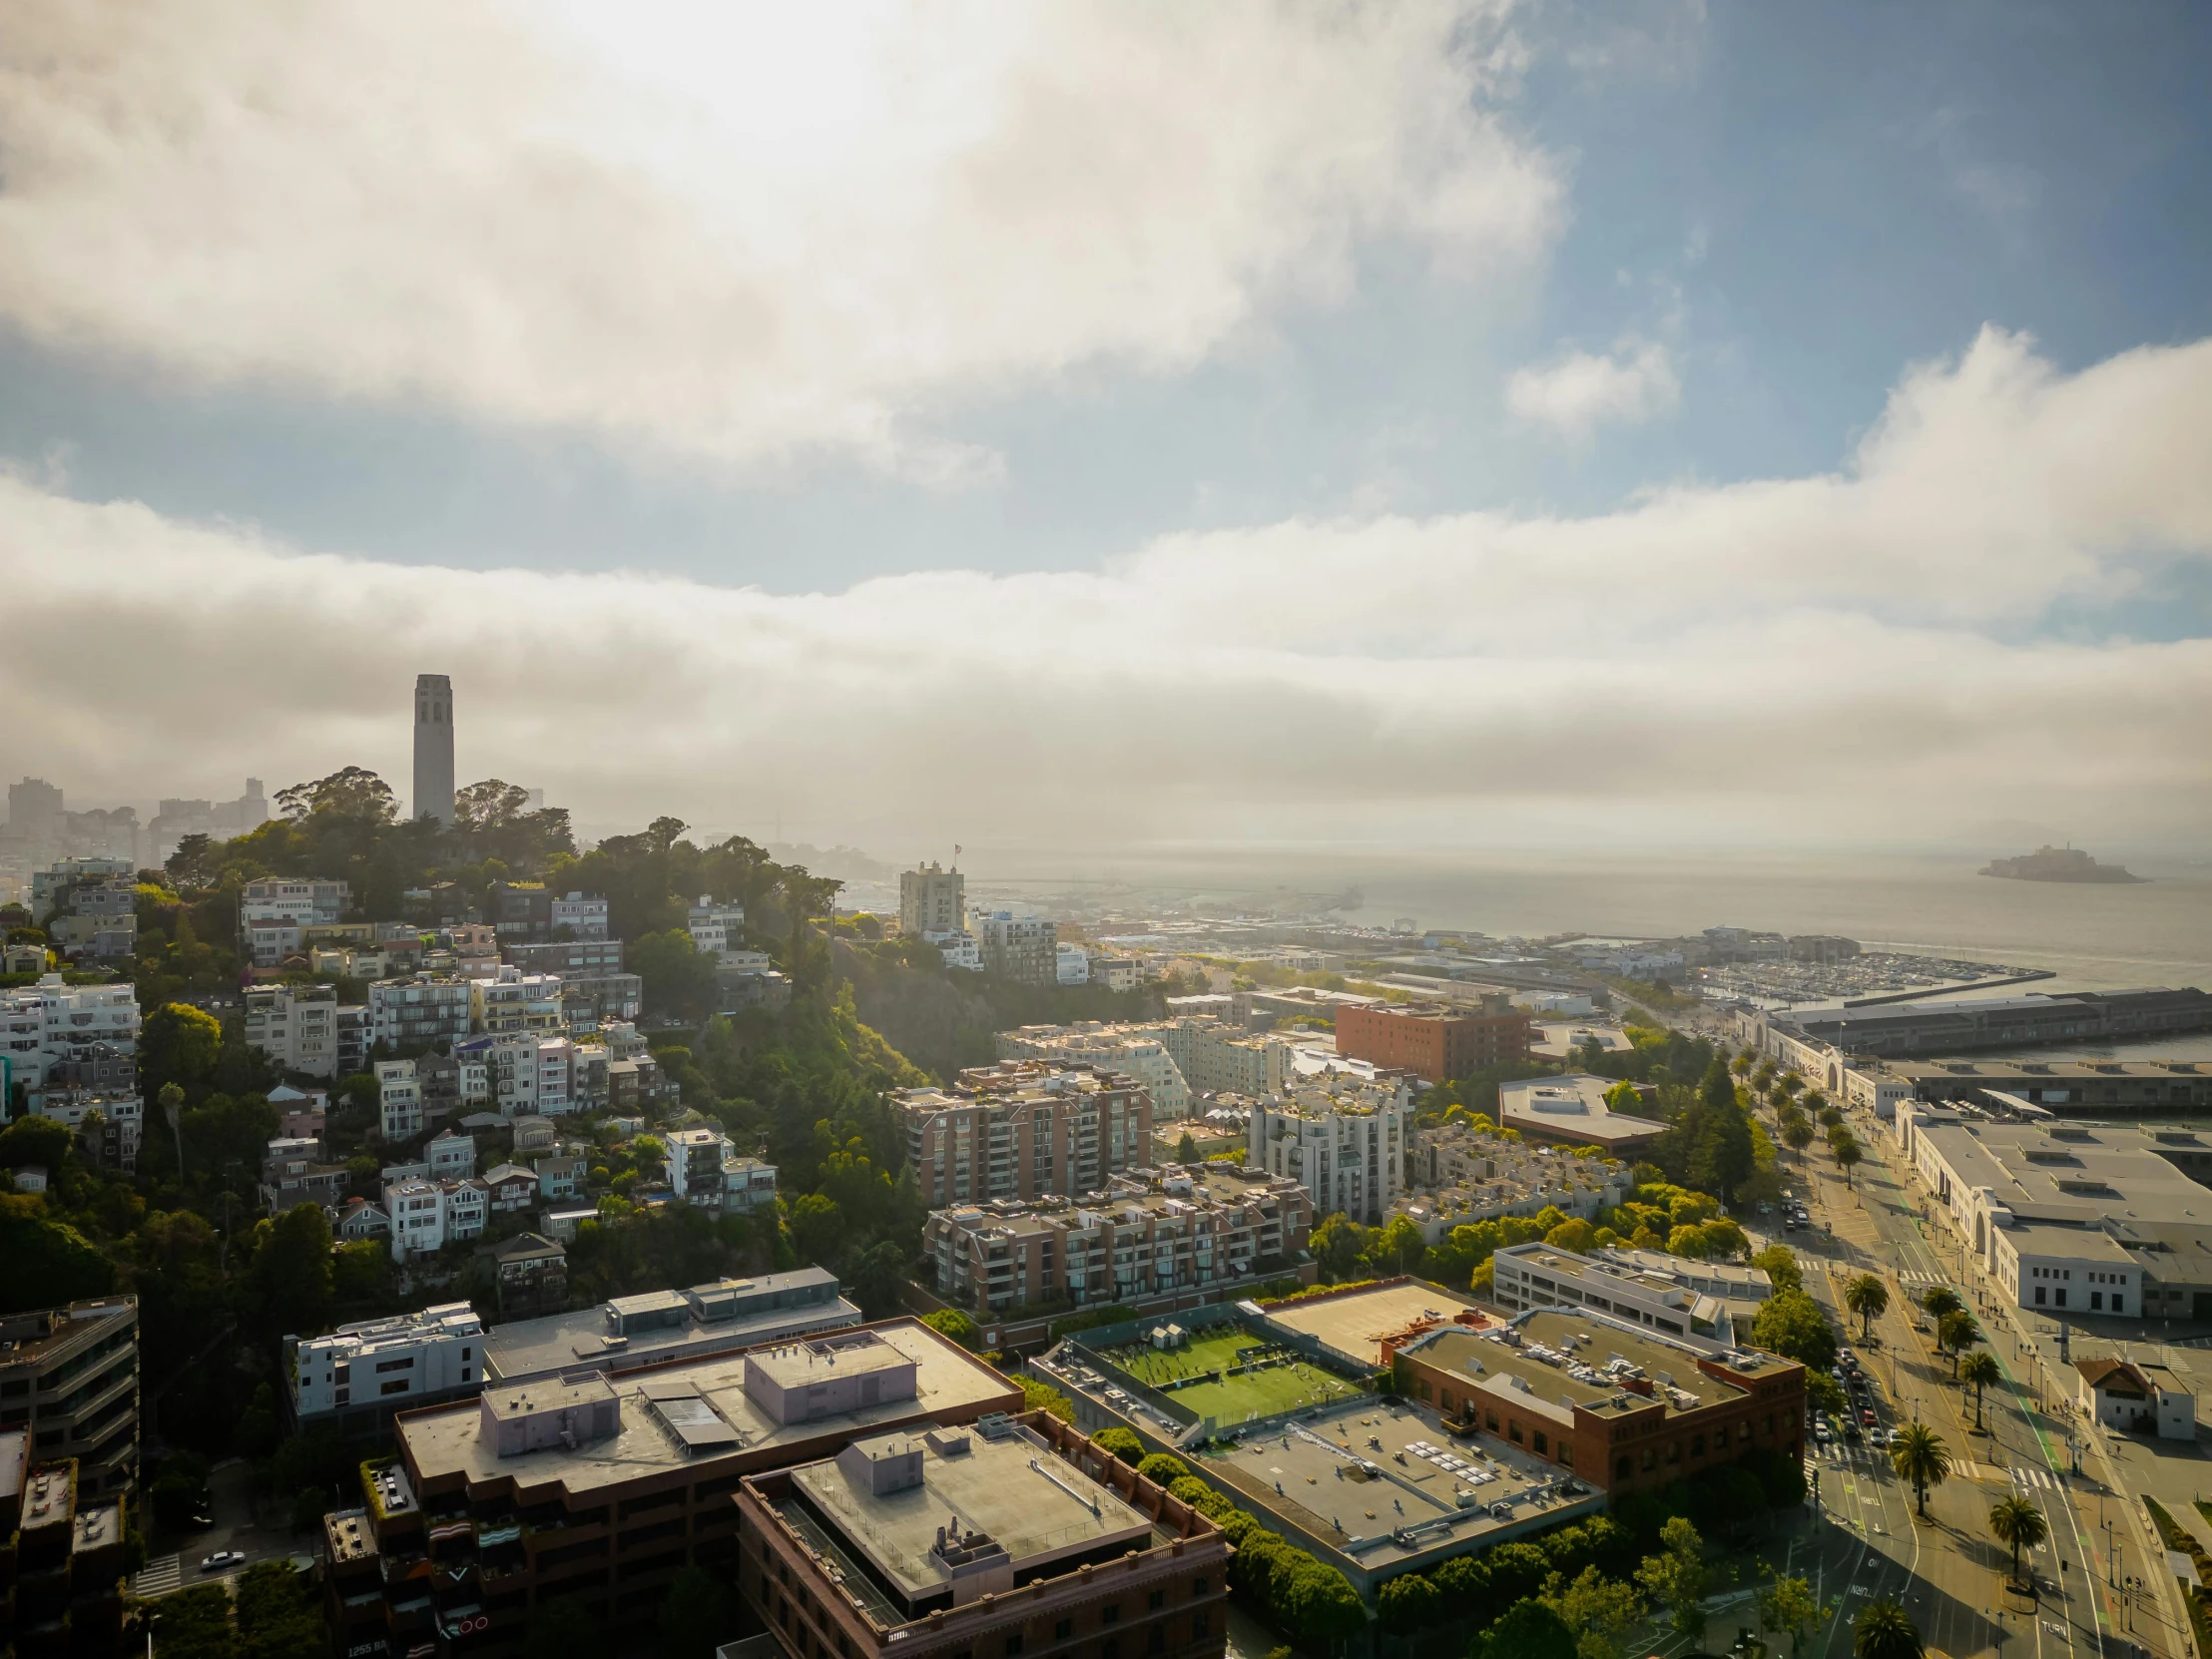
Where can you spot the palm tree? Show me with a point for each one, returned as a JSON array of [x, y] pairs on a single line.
[[1957, 1332], [1918, 1455], [2015, 1521], [1869, 1297], [1881, 1631], [1978, 1372], [1939, 1301]]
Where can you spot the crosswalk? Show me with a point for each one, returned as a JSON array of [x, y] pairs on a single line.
[[2042, 1479], [159, 1577], [1920, 1279]]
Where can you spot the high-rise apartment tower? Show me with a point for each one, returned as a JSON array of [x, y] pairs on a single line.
[[433, 747]]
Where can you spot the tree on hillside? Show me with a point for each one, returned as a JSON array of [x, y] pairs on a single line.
[[179, 1045], [1869, 1297], [1336, 1243], [1529, 1629], [353, 793], [291, 1274]]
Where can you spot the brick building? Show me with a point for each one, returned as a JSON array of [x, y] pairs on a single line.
[[1434, 1040], [1025, 1128], [1624, 1409]]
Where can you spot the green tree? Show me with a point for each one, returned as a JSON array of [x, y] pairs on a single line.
[[567, 1627], [1574, 1234], [1869, 1297], [1396, 1246], [277, 1619], [1338, 1243], [1882, 1630], [34, 1142], [48, 1260], [951, 1322], [2018, 1524], [1848, 1152], [1791, 1324], [1920, 1455], [1597, 1609], [1780, 1264], [1529, 1629], [817, 1229], [1186, 1149], [1957, 1332], [292, 1271], [179, 1045], [1978, 1372], [1788, 1606], [1122, 1444], [1676, 1577], [1939, 1300]]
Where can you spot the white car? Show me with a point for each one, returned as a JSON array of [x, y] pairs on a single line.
[[223, 1559]]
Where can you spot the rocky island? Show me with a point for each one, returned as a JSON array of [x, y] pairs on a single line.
[[2057, 864]]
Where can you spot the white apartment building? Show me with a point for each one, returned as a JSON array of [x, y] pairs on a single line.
[[1345, 1141], [1073, 965], [932, 900], [1671, 1294], [576, 917], [451, 1155], [429, 1215], [526, 1073], [1117, 973], [70, 1035], [403, 1360], [304, 903], [1135, 1050], [961, 950], [512, 1001], [398, 1100], [1216, 1057], [706, 1170], [716, 927], [430, 1010], [294, 1025], [124, 1113]]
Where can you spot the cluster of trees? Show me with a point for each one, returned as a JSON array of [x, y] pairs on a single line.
[[274, 1618]]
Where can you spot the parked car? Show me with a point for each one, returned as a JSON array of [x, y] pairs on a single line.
[[222, 1560], [1866, 1415]]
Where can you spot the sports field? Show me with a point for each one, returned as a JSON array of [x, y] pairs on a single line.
[[1275, 1388]]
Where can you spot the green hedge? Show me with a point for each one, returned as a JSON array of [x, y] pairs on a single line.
[[1289, 1586]]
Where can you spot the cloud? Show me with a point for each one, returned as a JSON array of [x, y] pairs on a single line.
[[1580, 391], [736, 232], [1849, 653]]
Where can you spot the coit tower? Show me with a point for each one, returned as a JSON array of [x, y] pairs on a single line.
[[433, 747]]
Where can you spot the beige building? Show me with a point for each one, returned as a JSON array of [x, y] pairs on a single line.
[[1345, 1141], [1135, 1050], [294, 1025], [1024, 1128], [1151, 1232], [931, 901]]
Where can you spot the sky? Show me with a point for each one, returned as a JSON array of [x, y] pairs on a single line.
[[1394, 425]]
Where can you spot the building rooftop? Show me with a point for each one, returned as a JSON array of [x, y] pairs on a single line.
[[1358, 1323], [445, 1441], [29, 1338], [1177, 1191], [895, 1500], [1571, 1109], [2075, 1174], [720, 1316], [348, 1536], [1550, 1362]]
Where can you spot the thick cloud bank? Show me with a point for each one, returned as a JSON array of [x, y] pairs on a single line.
[[734, 232], [1829, 656]]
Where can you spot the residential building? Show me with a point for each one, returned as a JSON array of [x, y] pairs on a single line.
[[1458, 1176], [294, 1025], [429, 1010], [399, 1101], [450, 1155], [718, 928], [362, 1218], [512, 1001], [55, 886], [705, 1171], [1138, 1051], [1072, 965], [69, 1381], [560, 1176], [1434, 1041], [1117, 973], [118, 1119], [510, 1188], [577, 915], [23, 958], [1019, 947], [623, 1491], [961, 950], [63, 1572], [293, 1174], [520, 911], [1345, 1140], [633, 1331], [567, 958], [1615, 1404], [531, 1272], [527, 1072], [1101, 1554], [90, 939], [1712, 1302], [1216, 1056], [74, 1036], [2136, 1396], [301, 901], [360, 1374], [932, 900], [1022, 1128], [428, 1214], [1572, 1111], [589, 1001], [2073, 1217], [355, 1036], [433, 750], [636, 1083], [1149, 1231]]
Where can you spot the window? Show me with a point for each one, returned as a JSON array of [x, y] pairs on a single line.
[[1540, 1441], [1624, 1469], [1155, 1640], [2096, 1302], [1110, 1613], [2039, 1295], [1198, 1586], [1201, 1625], [1157, 1600], [395, 1365], [1063, 1630], [2061, 1297], [1697, 1445], [1013, 1645]]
